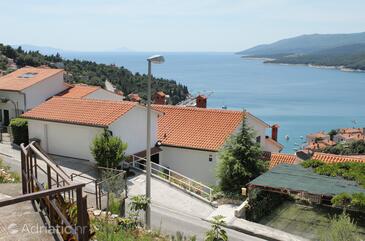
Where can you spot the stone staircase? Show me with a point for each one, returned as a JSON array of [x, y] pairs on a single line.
[[21, 221]]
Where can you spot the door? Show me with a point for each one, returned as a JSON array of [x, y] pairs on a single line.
[[6, 117]]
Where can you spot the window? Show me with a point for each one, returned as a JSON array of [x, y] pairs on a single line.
[[210, 158], [1, 115], [258, 139]]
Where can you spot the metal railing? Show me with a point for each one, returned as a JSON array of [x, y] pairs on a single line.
[[43, 181], [98, 183], [176, 179]]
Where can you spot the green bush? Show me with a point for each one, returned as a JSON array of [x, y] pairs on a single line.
[[347, 200], [108, 151], [342, 228], [19, 129], [348, 170]]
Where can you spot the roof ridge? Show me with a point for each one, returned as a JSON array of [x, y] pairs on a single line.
[[198, 109], [95, 100]]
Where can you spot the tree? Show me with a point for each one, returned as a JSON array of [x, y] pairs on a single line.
[[240, 161], [342, 228], [332, 133], [108, 151], [217, 233]]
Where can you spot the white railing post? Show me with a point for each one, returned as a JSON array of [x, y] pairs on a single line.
[[133, 162], [169, 175]]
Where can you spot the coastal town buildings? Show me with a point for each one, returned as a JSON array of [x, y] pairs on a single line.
[[349, 135]]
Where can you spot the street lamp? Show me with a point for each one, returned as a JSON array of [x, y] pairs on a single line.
[[155, 59]]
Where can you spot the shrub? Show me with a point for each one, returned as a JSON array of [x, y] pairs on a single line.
[[19, 129], [108, 151], [348, 170], [342, 228], [217, 233], [346, 200]]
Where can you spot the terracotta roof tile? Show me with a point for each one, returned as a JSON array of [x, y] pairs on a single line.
[[280, 158], [25, 77], [79, 91], [80, 111], [196, 128], [331, 158]]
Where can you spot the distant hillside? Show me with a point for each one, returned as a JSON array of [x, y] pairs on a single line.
[[305, 44], [344, 57], [346, 51], [89, 72]]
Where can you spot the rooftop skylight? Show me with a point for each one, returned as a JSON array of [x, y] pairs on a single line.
[[28, 75]]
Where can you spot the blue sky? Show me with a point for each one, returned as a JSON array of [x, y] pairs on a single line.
[[172, 25]]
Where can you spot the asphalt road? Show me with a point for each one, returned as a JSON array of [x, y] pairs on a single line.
[[171, 221]]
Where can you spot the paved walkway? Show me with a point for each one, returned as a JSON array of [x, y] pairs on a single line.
[[164, 194], [20, 221]]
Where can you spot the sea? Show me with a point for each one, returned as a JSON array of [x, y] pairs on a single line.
[[299, 98]]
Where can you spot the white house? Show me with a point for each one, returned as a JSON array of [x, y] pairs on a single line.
[[26, 88], [67, 126], [190, 138], [84, 91]]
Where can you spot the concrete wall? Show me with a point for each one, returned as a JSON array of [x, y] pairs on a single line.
[[38, 93], [191, 163], [132, 128], [102, 94], [64, 139]]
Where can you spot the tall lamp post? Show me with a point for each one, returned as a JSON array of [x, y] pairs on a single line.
[[155, 59]]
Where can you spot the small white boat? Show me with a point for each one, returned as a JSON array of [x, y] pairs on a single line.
[[287, 137]]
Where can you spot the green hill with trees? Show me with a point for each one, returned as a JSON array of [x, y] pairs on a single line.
[[339, 50], [88, 72]]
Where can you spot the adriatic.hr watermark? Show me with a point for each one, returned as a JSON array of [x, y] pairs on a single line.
[[13, 229]]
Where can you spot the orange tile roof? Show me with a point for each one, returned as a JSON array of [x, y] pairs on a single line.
[[79, 91], [320, 134], [280, 158], [331, 158], [16, 81], [319, 145], [197, 128], [99, 113]]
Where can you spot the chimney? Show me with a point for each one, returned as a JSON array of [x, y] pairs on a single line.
[[134, 98], [160, 98], [201, 101], [274, 132]]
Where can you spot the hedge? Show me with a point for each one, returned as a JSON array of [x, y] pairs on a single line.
[[19, 129]]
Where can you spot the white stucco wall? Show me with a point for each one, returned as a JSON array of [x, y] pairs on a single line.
[[259, 129], [64, 139], [43, 90], [18, 99], [132, 128], [191, 163], [102, 94]]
